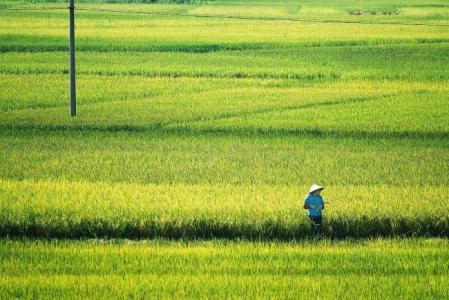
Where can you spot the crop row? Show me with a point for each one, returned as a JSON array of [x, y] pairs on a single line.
[[265, 106], [395, 115], [74, 209], [191, 158], [406, 61], [93, 269], [46, 30]]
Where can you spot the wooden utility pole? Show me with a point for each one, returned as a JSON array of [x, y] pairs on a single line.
[[72, 59]]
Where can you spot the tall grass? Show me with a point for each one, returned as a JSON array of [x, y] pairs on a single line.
[[73, 210], [160, 157], [214, 127], [122, 269]]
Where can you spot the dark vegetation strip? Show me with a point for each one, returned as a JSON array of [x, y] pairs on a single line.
[[19, 43], [25, 43], [49, 8], [210, 228], [159, 128], [309, 132], [188, 74]]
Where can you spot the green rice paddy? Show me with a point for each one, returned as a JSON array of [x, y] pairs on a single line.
[[217, 269], [206, 123]]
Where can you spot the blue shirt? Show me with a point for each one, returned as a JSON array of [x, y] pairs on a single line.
[[317, 202]]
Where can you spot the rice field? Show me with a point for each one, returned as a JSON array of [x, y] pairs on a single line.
[[218, 269], [200, 128]]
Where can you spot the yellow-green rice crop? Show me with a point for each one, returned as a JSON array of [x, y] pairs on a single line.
[[404, 269], [72, 209], [206, 123]]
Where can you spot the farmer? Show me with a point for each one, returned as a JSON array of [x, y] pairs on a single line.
[[315, 204]]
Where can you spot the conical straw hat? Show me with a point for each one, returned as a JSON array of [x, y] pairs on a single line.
[[315, 187]]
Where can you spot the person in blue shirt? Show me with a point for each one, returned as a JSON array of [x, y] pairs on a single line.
[[314, 203]]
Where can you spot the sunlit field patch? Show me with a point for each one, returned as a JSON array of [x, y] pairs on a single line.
[[72, 209], [92, 269]]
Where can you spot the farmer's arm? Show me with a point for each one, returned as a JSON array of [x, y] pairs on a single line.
[[322, 205], [306, 203]]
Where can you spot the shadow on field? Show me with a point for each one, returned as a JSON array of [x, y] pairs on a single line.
[[158, 129], [335, 228], [49, 43]]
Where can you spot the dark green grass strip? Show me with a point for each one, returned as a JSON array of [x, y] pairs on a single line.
[[192, 74], [162, 129], [25, 43], [208, 228]]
